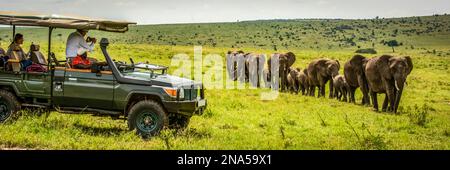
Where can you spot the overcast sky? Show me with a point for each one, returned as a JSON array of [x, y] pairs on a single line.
[[194, 11]]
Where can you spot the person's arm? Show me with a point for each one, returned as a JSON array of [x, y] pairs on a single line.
[[83, 44], [9, 51]]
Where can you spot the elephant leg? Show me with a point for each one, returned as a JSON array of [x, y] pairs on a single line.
[[296, 88], [374, 100], [385, 103], [312, 90], [363, 85], [391, 97], [345, 95], [331, 89], [339, 93], [335, 93], [322, 90], [351, 94]]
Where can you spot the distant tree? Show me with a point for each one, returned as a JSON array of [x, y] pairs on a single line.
[[392, 44]]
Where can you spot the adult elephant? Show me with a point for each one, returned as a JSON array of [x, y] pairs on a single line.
[[319, 72], [387, 74], [354, 72], [232, 63], [286, 60], [254, 65]]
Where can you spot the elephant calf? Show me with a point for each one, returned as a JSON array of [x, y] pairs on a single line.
[[303, 81], [292, 79], [340, 88]]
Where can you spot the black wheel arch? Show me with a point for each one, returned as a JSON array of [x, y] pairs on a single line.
[[135, 97]]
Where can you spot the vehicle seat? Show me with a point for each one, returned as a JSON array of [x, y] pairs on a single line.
[[14, 61], [36, 56]]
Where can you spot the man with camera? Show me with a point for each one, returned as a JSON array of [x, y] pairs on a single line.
[[76, 41]]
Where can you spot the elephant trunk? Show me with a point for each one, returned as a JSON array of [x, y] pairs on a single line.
[[399, 84]]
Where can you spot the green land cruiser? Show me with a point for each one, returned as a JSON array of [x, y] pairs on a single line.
[[144, 94]]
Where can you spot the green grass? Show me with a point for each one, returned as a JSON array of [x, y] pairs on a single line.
[[238, 119]]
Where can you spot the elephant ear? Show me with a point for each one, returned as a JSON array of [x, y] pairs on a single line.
[[410, 64], [383, 66], [338, 64], [357, 62], [290, 58]]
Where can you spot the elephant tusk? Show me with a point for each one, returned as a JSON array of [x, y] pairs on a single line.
[[396, 86]]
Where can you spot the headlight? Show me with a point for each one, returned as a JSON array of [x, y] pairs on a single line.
[[181, 93], [172, 92]]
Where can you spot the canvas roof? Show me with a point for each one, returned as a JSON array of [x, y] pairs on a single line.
[[62, 21]]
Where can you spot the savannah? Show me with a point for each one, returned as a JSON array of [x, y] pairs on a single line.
[[237, 118]]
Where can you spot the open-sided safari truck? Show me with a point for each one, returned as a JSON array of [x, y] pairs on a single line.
[[144, 94]]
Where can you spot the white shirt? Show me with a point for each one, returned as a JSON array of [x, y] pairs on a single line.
[[75, 43]]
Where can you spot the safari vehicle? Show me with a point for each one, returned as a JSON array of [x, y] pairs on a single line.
[[144, 94]]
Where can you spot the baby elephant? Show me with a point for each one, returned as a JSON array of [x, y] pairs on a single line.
[[292, 80], [341, 87], [303, 81]]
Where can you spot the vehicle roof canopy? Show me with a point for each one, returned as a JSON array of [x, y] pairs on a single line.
[[62, 21]]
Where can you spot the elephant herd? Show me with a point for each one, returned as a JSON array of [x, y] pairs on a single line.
[[382, 74]]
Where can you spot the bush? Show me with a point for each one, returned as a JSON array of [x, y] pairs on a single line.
[[418, 115], [366, 51]]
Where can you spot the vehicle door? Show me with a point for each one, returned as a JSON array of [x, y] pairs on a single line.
[[84, 89]]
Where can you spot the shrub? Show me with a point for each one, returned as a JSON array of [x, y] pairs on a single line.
[[366, 51]]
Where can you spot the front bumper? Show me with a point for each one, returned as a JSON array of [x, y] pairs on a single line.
[[187, 108]]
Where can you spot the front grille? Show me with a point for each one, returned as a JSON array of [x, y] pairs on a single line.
[[192, 92]]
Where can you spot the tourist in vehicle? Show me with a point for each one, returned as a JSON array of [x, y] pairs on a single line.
[[81, 61], [16, 47], [76, 41]]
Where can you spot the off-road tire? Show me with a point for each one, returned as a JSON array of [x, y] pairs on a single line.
[[148, 118], [9, 107]]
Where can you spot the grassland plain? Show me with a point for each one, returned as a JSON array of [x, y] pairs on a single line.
[[238, 119]]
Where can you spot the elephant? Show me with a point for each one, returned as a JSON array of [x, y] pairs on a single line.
[[232, 63], [340, 87], [387, 74], [319, 72], [266, 78], [293, 81], [254, 65], [285, 60], [303, 81], [354, 72]]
